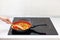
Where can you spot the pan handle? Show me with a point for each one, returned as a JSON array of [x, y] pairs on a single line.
[[39, 25]]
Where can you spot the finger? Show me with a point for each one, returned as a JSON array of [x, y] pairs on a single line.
[[8, 21]]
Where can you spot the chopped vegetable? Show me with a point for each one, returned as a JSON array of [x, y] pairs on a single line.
[[22, 25]]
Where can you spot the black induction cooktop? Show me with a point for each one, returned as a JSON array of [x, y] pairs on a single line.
[[42, 26]]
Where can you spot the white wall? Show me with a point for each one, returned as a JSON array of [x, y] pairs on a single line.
[[30, 7], [46, 7], [11, 7]]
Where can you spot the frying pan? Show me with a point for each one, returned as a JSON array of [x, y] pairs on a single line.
[[31, 27]]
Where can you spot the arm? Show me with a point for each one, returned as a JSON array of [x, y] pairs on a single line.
[[5, 19]]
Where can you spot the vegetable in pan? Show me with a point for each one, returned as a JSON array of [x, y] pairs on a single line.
[[21, 25]]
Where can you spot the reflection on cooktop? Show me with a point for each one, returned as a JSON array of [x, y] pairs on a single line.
[[40, 26]]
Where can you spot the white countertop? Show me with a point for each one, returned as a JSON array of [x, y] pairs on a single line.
[[4, 28]]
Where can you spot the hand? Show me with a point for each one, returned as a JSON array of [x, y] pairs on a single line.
[[5, 19]]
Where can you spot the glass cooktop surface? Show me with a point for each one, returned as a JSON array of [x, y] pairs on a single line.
[[40, 26]]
